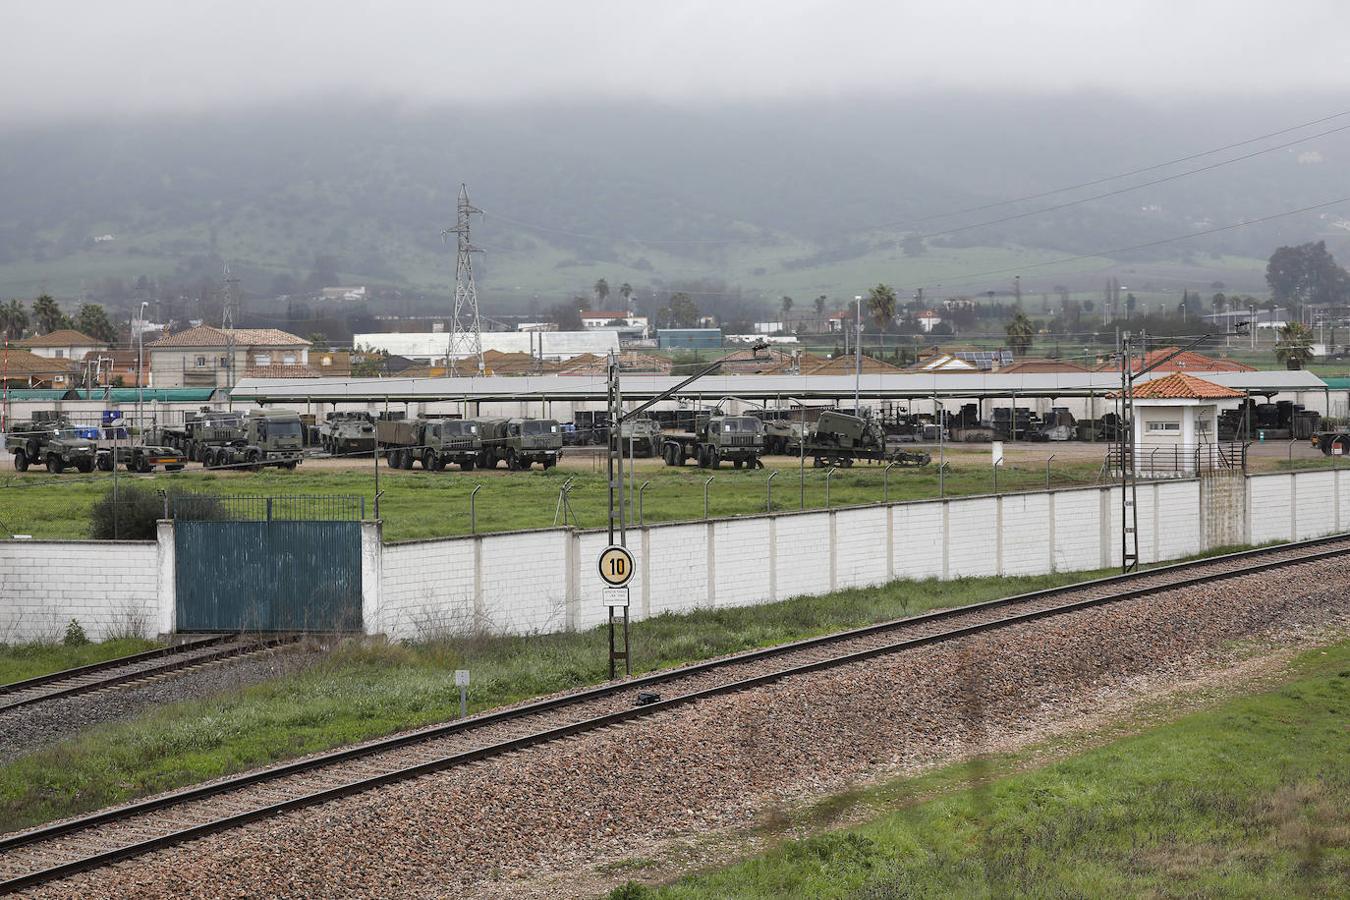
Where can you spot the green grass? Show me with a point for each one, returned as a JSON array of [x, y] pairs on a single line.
[[1248, 799], [21, 661], [362, 691], [427, 505]]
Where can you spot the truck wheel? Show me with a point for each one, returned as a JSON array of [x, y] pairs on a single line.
[[735, 463], [175, 468], [429, 460], [85, 466], [144, 467], [104, 462], [549, 462], [253, 458], [714, 459], [20, 460], [466, 464], [818, 463], [846, 462], [407, 459], [54, 464], [290, 465]]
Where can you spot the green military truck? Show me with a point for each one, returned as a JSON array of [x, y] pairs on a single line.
[[739, 439], [203, 433], [436, 443], [266, 437], [52, 442], [347, 432], [520, 443]]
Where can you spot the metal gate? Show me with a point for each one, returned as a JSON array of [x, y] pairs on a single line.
[[268, 563]]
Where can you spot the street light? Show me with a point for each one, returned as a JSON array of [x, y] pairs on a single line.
[[857, 359], [140, 368]]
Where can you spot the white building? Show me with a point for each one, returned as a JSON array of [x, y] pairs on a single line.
[[64, 343], [929, 319], [632, 323], [1176, 423], [200, 357], [428, 347]]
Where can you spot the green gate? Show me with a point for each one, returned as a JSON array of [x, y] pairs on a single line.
[[268, 563]]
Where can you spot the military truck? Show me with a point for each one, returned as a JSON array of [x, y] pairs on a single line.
[[737, 438], [50, 441], [520, 443], [434, 442], [267, 437], [203, 433], [140, 458], [840, 439], [347, 432]]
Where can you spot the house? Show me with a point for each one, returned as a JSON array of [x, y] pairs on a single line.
[[65, 343], [200, 357], [354, 293], [970, 360], [632, 324], [1188, 361], [1176, 422], [25, 369]]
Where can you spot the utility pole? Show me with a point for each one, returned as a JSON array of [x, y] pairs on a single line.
[[466, 330], [857, 359], [227, 322]]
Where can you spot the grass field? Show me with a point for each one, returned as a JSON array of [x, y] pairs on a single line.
[[361, 691], [424, 505], [22, 661], [1248, 799]]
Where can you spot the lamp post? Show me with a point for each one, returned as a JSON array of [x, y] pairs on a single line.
[[140, 367], [857, 357]]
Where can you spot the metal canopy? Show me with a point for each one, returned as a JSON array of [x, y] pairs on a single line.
[[901, 386]]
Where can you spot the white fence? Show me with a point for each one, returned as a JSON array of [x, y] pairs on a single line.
[[542, 581]]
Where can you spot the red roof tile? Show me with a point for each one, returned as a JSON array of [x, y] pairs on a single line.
[[1179, 386]]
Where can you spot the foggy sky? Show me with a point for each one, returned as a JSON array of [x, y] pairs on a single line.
[[62, 60]]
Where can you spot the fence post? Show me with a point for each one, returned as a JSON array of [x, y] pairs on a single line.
[[641, 519], [995, 467], [886, 483], [768, 486], [828, 475], [473, 509], [705, 495], [269, 509], [1047, 471]]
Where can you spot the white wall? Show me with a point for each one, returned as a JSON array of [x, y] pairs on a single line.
[[112, 588]]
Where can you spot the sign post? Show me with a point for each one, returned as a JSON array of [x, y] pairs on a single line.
[[462, 682], [615, 566]]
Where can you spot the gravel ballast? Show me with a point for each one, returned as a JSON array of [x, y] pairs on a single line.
[[604, 796]]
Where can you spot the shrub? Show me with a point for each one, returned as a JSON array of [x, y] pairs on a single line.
[[75, 636], [131, 517]]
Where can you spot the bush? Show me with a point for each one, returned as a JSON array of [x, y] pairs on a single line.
[[75, 636], [131, 517]]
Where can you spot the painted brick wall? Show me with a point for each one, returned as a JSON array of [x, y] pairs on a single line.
[[741, 573], [803, 554], [111, 588], [972, 547], [860, 548], [1078, 542], [530, 571], [918, 540], [1315, 504], [1268, 505], [1026, 534], [426, 588], [678, 563]]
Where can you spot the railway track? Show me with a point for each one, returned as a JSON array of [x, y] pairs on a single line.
[[55, 851], [131, 669]]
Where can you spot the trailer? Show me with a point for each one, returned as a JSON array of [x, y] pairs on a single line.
[[140, 458], [840, 439]]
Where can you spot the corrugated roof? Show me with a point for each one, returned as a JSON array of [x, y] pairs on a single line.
[[62, 337], [1180, 386], [433, 345], [210, 336]]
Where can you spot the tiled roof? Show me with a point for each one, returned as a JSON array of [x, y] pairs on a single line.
[[1180, 386], [21, 362], [280, 371], [209, 336], [1187, 361], [64, 337]]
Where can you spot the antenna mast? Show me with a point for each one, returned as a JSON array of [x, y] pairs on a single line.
[[466, 331]]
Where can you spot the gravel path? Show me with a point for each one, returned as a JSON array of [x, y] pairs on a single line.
[[607, 795], [29, 728]]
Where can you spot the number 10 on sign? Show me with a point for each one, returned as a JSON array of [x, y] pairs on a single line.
[[616, 566]]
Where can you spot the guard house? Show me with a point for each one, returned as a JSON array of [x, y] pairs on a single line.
[[1176, 427]]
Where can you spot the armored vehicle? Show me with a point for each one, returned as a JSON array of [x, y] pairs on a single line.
[[839, 439], [644, 434], [779, 434], [435, 442], [737, 438], [520, 443], [140, 458], [53, 442], [348, 432], [267, 437]]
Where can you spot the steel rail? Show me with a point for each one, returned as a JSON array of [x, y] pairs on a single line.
[[130, 659], [552, 734], [225, 649]]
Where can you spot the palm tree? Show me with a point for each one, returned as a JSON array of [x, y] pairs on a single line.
[[625, 291], [1294, 347], [13, 320], [1020, 334], [881, 305], [601, 291], [48, 314], [820, 311], [786, 303]]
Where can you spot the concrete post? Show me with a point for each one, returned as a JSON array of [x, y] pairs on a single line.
[[372, 563], [167, 581]]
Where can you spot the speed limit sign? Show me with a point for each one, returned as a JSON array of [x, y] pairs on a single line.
[[615, 565]]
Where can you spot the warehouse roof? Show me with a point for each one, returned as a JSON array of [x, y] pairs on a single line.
[[549, 344], [895, 385]]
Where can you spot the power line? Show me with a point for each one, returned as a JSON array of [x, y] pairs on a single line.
[[996, 204]]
